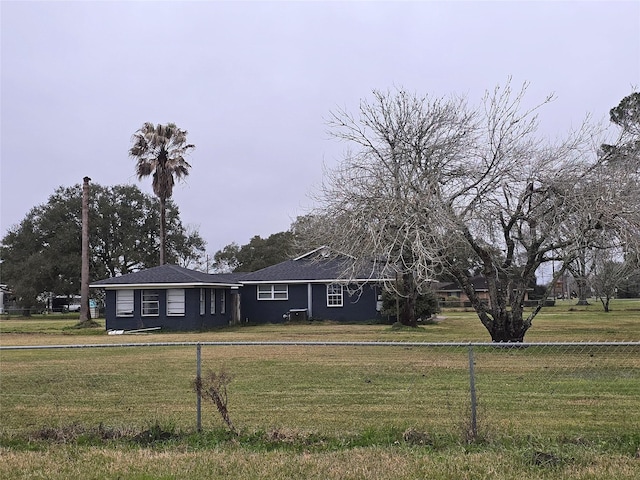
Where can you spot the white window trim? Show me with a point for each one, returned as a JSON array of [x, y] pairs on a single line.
[[150, 302], [212, 301], [271, 290], [223, 302], [332, 297], [203, 304], [125, 306], [172, 311]]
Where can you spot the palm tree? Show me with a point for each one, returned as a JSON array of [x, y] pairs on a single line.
[[159, 150]]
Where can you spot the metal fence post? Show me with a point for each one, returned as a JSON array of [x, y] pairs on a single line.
[[198, 388], [472, 388]]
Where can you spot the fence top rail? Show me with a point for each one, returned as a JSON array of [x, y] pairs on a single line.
[[326, 344]]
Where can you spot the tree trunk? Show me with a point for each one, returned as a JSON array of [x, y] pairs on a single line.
[[605, 302], [408, 301], [583, 290], [508, 327], [163, 229], [503, 316]]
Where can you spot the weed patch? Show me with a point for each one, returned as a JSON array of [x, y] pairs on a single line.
[[417, 437], [214, 387], [156, 433], [77, 433]]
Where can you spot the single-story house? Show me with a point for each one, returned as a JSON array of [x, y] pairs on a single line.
[[170, 297], [453, 291], [175, 298]]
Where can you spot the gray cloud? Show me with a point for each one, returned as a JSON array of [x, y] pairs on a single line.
[[252, 82]]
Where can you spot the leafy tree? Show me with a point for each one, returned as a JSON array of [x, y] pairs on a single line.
[[226, 260], [425, 304], [43, 252], [627, 116], [258, 253], [432, 186], [159, 151], [186, 246], [629, 286]]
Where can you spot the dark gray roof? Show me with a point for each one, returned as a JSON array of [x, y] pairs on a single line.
[[169, 274], [307, 269], [479, 284], [302, 269]]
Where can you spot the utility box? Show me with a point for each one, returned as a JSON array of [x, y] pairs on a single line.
[[298, 315], [94, 311]]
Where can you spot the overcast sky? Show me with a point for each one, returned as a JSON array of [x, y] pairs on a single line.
[[254, 82]]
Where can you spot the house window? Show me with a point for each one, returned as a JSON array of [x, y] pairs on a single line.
[[124, 303], [150, 303], [223, 303], [213, 301], [334, 295], [273, 292], [202, 301], [175, 301]]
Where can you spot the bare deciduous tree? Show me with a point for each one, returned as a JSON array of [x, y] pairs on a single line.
[[608, 276], [434, 187]]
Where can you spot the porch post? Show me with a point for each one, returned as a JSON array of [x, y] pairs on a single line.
[[235, 306]]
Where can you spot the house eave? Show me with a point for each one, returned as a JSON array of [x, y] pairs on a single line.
[[323, 281], [118, 286]]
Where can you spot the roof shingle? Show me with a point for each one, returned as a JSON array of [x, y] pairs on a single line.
[[169, 274]]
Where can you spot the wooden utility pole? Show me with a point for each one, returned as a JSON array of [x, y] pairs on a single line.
[[85, 314]]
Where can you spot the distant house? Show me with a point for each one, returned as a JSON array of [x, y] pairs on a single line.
[[176, 298], [452, 291], [4, 297]]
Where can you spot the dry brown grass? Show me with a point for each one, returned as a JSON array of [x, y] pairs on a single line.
[[357, 464]]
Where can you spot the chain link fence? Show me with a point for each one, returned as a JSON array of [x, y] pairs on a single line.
[[573, 389]]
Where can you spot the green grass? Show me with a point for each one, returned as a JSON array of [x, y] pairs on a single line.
[[326, 412], [564, 322], [48, 324]]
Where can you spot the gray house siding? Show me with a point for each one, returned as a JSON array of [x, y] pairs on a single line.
[[191, 320], [355, 308], [271, 311], [359, 307]]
